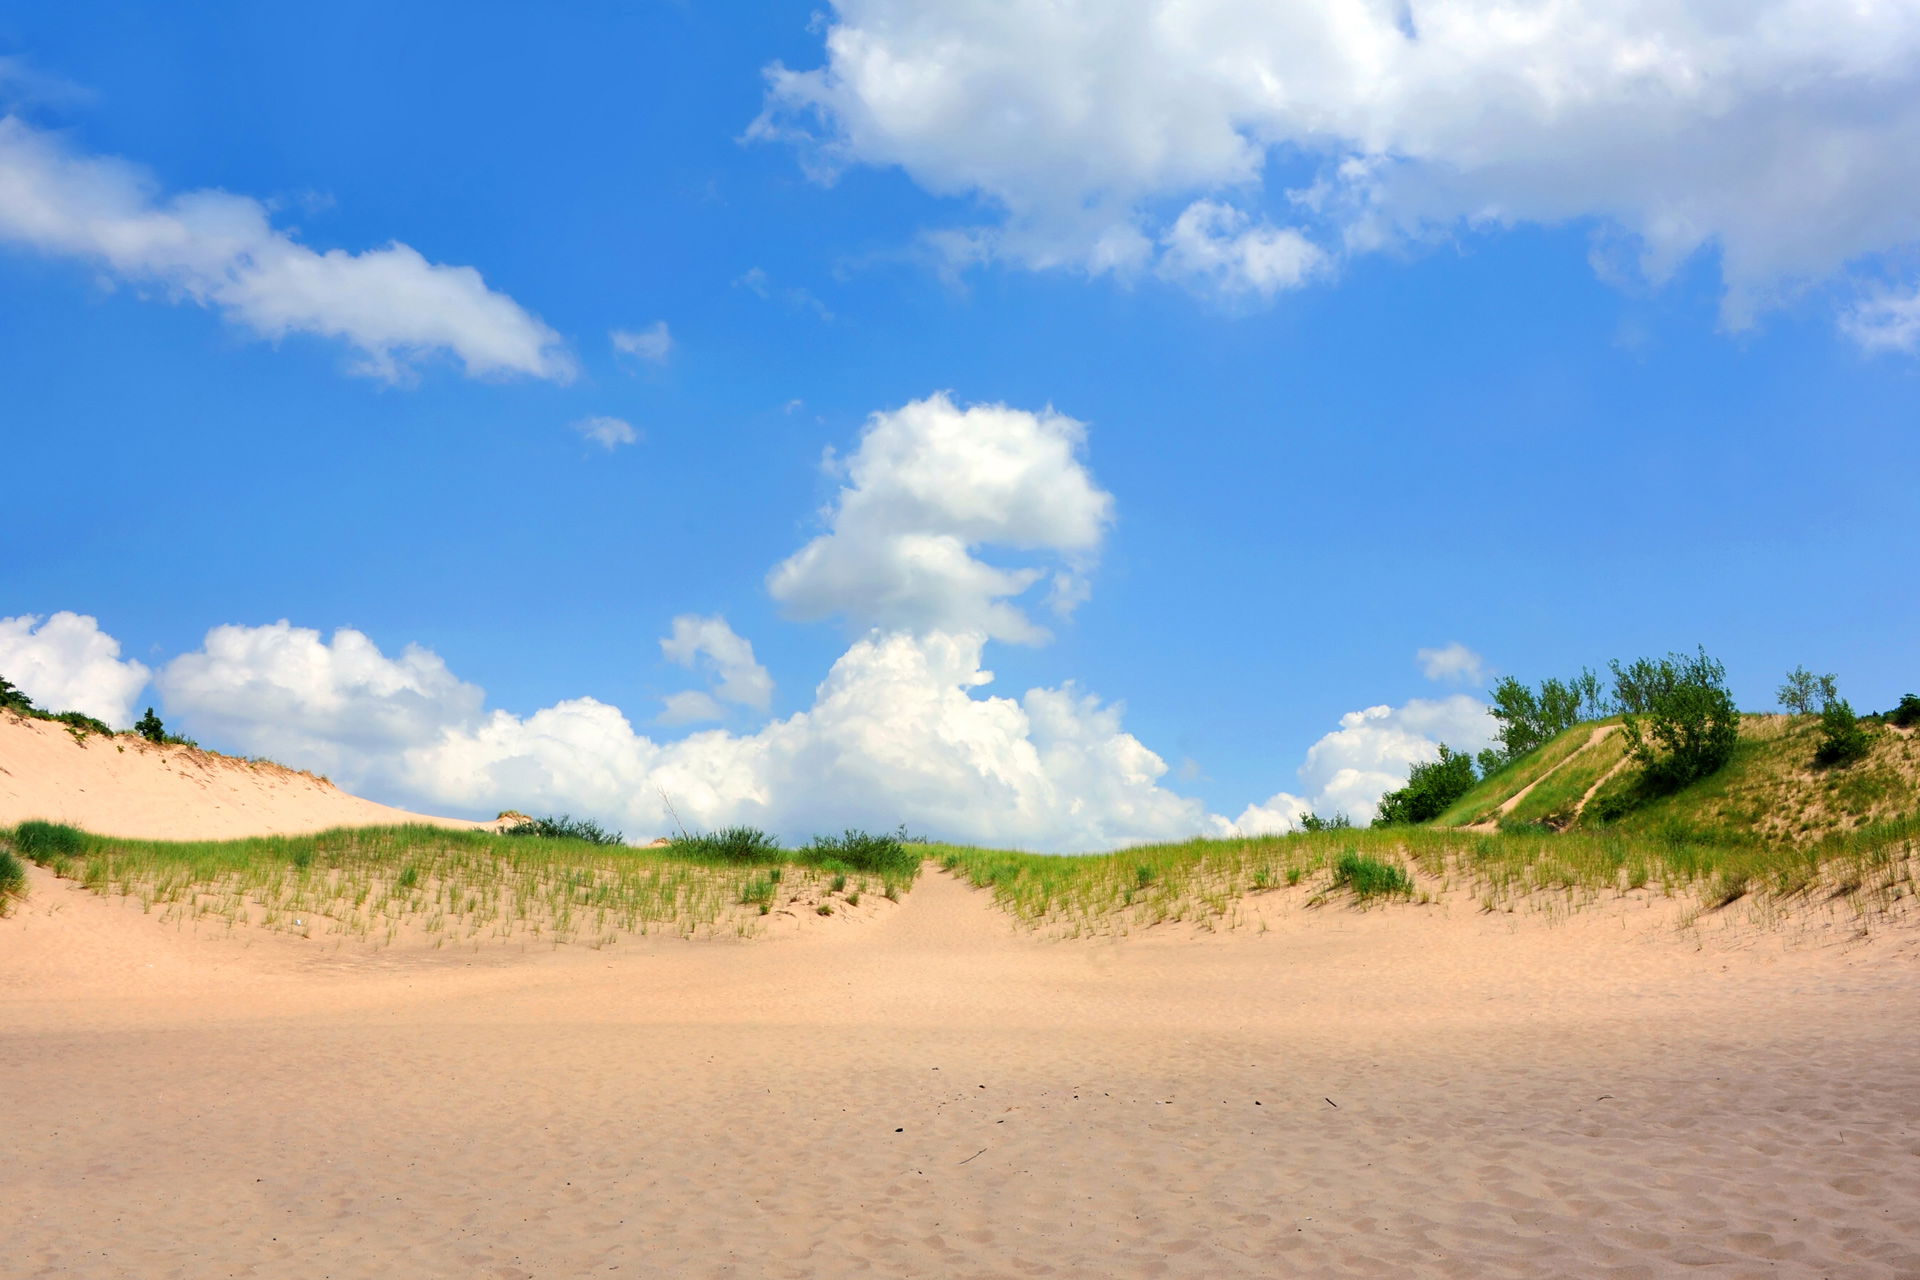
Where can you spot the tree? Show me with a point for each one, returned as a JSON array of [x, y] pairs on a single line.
[[1681, 723], [1907, 714], [1805, 693], [150, 728], [11, 699], [1430, 789], [1314, 822], [1842, 738]]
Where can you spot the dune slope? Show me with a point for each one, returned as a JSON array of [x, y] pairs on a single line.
[[126, 786]]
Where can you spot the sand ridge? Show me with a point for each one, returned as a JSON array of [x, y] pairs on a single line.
[[125, 786]]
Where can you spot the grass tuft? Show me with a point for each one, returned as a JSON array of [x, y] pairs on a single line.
[[1370, 877]]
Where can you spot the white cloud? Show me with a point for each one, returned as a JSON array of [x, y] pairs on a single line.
[[608, 433], [1454, 663], [66, 663], [341, 707], [1886, 321], [652, 344], [1782, 134], [690, 707], [1216, 248], [929, 485], [221, 250], [898, 732], [741, 679], [1370, 754]]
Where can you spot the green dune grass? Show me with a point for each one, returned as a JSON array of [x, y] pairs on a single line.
[[441, 886]]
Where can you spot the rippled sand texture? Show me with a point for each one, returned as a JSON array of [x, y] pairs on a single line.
[[1404, 1092]]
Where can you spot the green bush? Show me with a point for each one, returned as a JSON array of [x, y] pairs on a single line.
[[11, 699], [1430, 789], [149, 727], [1907, 714], [1680, 719], [1314, 822], [729, 844], [44, 842], [80, 724], [888, 854], [1842, 739], [13, 879], [565, 827], [1370, 877]]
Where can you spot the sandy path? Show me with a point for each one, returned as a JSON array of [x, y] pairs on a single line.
[[931, 1094]]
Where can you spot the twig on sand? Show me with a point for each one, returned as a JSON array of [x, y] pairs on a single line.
[[976, 1155]]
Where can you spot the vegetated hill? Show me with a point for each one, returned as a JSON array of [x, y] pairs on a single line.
[[1770, 790]]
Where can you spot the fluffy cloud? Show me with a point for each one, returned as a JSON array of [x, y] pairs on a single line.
[[1454, 663], [1785, 134], [1886, 321], [932, 483], [221, 250], [339, 706], [740, 679], [66, 663], [1370, 754], [898, 732], [608, 433], [1215, 248], [652, 344]]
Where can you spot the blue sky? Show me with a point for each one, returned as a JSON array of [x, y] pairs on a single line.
[[1276, 387]]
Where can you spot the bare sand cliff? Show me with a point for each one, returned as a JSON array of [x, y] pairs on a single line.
[[928, 1091]]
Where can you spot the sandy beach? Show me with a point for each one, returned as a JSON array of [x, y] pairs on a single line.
[[929, 1092]]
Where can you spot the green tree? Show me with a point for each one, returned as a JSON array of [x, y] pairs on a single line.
[[1805, 693], [1681, 723], [1430, 789], [150, 728], [1907, 714]]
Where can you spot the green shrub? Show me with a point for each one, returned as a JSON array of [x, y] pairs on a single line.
[[888, 854], [1431, 788], [1842, 739], [149, 727], [80, 724], [11, 699], [13, 879], [44, 842], [565, 827], [1907, 714], [1680, 720], [1370, 877], [729, 844], [1314, 822]]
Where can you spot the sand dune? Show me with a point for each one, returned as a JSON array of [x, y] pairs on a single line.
[[1427, 1092], [924, 1090], [125, 786]]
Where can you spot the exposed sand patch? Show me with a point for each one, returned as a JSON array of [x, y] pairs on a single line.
[[930, 1092], [126, 786]]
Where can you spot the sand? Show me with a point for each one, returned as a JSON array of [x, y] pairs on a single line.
[[924, 1090], [126, 786], [929, 1093]]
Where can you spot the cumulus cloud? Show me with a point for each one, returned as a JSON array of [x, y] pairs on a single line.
[[899, 731], [221, 250], [339, 706], [1783, 134], [931, 485], [66, 663], [738, 677], [652, 344], [1454, 663], [1370, 754], [608, 433], [1216, 248]]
